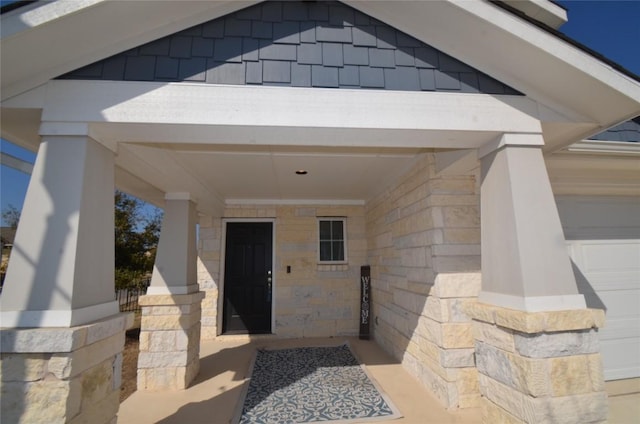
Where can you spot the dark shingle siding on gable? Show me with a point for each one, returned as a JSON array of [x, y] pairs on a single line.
[[299, 44], [627, 131]]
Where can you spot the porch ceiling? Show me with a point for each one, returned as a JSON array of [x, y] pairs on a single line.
[[247, 174]]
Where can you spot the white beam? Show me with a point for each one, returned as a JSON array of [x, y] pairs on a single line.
[[251, 106], [16, 163], [160, 168], [456, 162]]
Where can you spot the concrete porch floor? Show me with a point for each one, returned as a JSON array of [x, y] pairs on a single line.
[[214, 395]]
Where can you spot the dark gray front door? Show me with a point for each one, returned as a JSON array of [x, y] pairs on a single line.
[[248, 278]]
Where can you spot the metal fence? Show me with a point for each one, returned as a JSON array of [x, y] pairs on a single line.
[[128, 298]]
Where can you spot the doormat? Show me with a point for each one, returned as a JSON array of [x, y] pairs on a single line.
[[311, 384]]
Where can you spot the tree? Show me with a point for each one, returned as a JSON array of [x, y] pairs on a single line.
[[11, 216], [136, 240]]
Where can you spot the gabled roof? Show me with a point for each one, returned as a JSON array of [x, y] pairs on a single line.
[[299, 44], [577, 94]]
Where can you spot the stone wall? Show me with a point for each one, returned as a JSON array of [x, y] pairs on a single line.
[[63, 375], [423, 235], [169, 356], [539, 367], [313, 300], [209, 251]]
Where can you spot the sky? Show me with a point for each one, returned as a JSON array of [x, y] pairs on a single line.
[[610, 27]]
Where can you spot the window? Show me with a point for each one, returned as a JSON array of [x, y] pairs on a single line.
[[333, 240]]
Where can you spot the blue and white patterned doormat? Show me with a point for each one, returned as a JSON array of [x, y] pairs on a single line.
[[311, 384]]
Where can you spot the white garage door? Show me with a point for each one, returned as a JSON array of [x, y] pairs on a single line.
[[603, 235]]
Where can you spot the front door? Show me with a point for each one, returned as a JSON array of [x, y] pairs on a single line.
[[248, 278]]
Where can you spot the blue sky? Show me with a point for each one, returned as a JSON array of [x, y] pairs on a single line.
[[610, 27]]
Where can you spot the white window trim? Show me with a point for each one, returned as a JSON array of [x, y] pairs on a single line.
[[344, 239]]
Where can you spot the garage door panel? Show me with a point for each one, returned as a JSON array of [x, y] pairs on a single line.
[[620, 358], [608, 274], [620, 303], [603, 234], [614, 280], [611, 256], [620, 328]]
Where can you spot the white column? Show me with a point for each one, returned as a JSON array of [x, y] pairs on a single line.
[[525, 262], [175, 269], [61, 272]]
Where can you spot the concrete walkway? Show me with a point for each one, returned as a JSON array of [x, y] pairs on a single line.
[[214, 395]]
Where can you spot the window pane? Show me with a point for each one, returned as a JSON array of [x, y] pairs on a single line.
[[325, 230], [336, 230], [338, 251], [325, 251]]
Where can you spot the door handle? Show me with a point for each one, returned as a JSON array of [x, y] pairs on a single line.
[[268, 292]]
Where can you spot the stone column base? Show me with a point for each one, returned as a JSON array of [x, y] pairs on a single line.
[[169, 341], [209, 314], [442, 354], [63, 375], [539, 367]]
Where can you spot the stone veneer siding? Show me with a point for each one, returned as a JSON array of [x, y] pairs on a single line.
[[63, 375], [540, 367], [313, 300], [423, 235], [169, 356]]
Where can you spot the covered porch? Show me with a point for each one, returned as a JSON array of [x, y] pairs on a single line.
[[441, 189], [215, 393], [224, 366], [417, 177]]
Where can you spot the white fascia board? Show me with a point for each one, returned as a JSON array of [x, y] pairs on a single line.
[[594, 173], [297, 110], [40, 13], [606, 147], [543, 11], [519, 54], [557, 49]]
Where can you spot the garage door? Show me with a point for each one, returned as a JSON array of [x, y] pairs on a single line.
[[604, 243]]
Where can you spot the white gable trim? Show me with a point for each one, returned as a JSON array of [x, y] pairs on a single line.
[[95, 28], [543, 11], [529, 59], [521, 55]]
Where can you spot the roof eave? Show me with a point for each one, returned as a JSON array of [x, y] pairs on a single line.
[[543, 11], [530, 59]]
